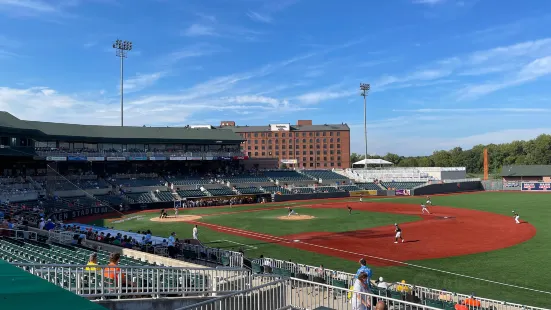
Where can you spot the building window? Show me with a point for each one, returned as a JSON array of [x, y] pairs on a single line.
[[255, 134], [311, 146], [325, 164], [338, 139], [269, 134], [311, 152], [249, 147], [263, 147], [255, 153], [338, 158], [318, 164], [323, 133], [263, 141], [283, 135], [332, 164], [317, 134], [270, 153], [331, 152], [325, 146], [290, 146], [331, 158], [324, 158], [331, 140], [324, 152], [256, 147], [297, 153], [338, 133], [283, 146], [311, 164], [317, 140], [339, 164], [290, 153], [310, 134], [277, 147], [303, 152], [331, 133], [249, 154], [304, 134], [303, 140], [338, 146], [338, 151], [277, 153], [275, 134], [263, 153], [269, 147], [296, 141], [255, 141]]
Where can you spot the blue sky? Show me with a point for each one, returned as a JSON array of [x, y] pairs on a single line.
[[444, 73]]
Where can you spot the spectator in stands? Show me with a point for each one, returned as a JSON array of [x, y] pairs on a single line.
[[381, 305], [114, 272], [381, 283], [445, 295], [367, 270], [41, 224], [171, 248], [403, 287], [49, 225], [92, 261], [471, 302], [359, 301]]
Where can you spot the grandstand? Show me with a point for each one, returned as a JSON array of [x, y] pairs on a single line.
[[403, 174]]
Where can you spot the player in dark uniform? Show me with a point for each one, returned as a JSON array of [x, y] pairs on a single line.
[[349, 210], [398, 231]]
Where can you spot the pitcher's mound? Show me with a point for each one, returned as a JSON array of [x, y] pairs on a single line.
[[296, 217], [180, 218]]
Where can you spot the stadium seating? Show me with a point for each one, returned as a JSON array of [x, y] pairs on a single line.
[[190, 193], [247, 179], [75, 184], [401, 185], [225, 191], [42, 253], [249, 190], [324, 175], [110, 199], [164, 196], [287, 176], [349, 188], [276, 189], [368, 186], [327, 189], [303, 190], [139, 182], [140, 197], [184, 182]]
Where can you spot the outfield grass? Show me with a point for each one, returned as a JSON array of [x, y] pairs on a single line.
[[521, 265]]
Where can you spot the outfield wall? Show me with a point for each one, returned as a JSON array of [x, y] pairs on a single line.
[[282, 198], [448, 188]]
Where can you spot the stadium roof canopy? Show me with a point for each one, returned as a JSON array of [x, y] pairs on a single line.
[[526, 171], [373, 161], [114, 134], [325, 127]]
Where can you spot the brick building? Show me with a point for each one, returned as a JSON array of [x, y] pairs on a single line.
[[303, 145]]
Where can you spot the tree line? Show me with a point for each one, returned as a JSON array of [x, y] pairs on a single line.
[[532, 152]]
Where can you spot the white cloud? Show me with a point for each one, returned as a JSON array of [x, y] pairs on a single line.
[[28, 5], [197, 50], [141, 81], [196, 30], [430, 2], [263, 18], [319, 96]]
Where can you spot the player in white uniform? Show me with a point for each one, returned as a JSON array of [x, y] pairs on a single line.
[[292, 212], [175, 211], [398, 231], [424, 208], [517, 217], [195, 233], [361, 198]]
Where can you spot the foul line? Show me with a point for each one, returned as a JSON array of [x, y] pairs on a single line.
[[275, 238], [229, 241]]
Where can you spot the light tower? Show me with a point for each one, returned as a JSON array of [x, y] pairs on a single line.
[[365, 91], [122, 48]]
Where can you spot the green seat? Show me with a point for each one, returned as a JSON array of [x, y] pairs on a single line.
[[435, 303], [225, 261], [257, 268], [396, 295]]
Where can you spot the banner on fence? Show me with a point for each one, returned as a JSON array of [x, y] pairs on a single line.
[[113, 158], [56, 158], [403, 192], [72, 214], [77, 158], [363, 193], [536, 186], [96, 158]]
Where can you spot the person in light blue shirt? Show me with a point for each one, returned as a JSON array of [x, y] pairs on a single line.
[[367, 270], [171, 245]]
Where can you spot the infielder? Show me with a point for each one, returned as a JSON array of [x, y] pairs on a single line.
[[429, 202], [424, 208], [398, 231], [292, 212], [517, 217]]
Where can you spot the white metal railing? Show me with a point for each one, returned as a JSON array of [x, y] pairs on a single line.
[[18, 234], [462, 180], [214, 255], [268, 296], [311, 273], [148, 281], [311, 295], [485, 303]]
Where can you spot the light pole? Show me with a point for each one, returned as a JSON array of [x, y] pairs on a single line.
[[122, 48], [365, 91]]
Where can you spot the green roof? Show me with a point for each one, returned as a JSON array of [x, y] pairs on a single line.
[[114, 134], [526, 171]]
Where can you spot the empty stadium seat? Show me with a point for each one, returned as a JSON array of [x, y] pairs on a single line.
[[140, 197], [349, 188], [276, 189], [368, 186], [164, 196], [249, 190], [247, 179], [190, 193], [225, 191], [287, 176], [324, 175], [401, 185], [303, 190]]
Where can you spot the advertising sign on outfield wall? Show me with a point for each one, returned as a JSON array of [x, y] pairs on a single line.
[[77, 158], [56, 158], [178, 158], [116, 158], [536, 186], [402, 192], [194, 158], [100, 158], [157, 158], [137, 158]]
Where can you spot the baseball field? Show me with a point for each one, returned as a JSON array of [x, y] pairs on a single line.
[[469, 243]]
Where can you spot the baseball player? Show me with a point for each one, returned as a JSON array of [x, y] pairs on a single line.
[[424, 209], [361, 197], [429, 202], [291, 212], [517, 217], [195, 233], [398, 231], [349, 210], [175, 211]]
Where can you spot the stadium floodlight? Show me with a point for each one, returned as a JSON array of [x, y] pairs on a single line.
[[364, 92], [122, 48]]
